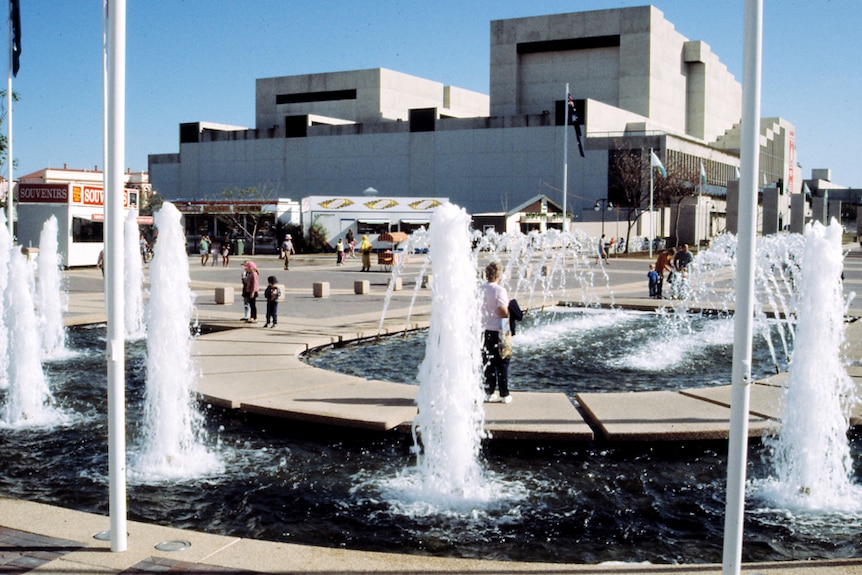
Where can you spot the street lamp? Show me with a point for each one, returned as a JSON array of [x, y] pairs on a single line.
[[608, 207]]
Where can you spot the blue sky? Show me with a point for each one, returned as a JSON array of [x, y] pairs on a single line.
[[191, 60]]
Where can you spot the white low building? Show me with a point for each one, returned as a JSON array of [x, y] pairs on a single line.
[[76, 199]]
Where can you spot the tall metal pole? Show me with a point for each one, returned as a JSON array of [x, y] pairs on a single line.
[[651, 231], [114, 297], [743, 319], [9, 180], [566, 158]]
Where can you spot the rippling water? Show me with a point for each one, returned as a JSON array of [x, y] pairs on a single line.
[[312, 485], [578, 350]]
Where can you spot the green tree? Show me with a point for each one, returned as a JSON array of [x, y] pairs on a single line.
[[3, 138], [247, 216], [317, 236], [628, 183], [680, 183]]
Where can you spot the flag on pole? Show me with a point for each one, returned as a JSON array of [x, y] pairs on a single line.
[[573, 117], [654, 162], [702, 173], [15, 18], [736, 173]]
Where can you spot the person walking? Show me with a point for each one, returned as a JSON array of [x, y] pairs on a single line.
[[339, 252], [204, 249], [225, 254], [214, 252], [495, 310], [601, 251], [287, 250], [351, 244]]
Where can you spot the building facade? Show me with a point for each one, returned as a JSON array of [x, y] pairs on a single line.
[[635, 81]]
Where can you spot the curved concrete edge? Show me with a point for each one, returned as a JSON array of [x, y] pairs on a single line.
[[259, 371], [285, 386]]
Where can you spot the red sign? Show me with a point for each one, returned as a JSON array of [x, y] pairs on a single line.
[[95, 196], [43, 193]]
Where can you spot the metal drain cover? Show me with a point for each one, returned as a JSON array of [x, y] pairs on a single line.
[[173, 545]]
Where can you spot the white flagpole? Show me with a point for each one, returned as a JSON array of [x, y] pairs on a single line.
[[114, 297], [701, 178], [9, 180], [566, 158], [744, 315], [651, 231]]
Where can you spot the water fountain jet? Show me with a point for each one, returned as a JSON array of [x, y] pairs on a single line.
[[5, 253], [134, 279], [449, 426], [29, 402], [50, 297], [810, 455], [172, 436]]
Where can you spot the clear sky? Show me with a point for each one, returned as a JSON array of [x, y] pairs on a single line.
[[197, 60]]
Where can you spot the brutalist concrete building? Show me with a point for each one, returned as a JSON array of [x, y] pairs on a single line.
[[636, 83]]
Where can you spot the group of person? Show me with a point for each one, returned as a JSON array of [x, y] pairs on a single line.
[[346, 248], [250, 292], [671, 266], [605, 247], [208, 249]]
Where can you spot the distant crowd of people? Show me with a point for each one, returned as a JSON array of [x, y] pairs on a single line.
[[210, 250]]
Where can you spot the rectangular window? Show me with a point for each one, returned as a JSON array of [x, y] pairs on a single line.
[[87, 231], [567, 44], [308, 97], [370, 227]]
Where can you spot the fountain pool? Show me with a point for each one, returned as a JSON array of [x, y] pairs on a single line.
[[301, 484], [576, 350]]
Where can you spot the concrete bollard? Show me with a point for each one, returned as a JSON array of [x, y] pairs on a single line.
[[30, 253], [224, 295], [321, 289], [361, 287], [427, 281], [397, 285]]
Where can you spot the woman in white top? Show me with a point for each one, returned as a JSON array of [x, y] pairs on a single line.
[[495, 308]]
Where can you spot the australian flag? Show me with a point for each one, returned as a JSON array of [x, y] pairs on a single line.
[[15, 17], [573, 118]]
